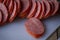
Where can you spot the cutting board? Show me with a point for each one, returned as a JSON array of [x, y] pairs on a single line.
[[16, 30]]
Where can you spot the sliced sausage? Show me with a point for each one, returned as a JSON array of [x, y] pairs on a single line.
[[14, 13], [1, 1], [33, 9], [56, 6], [18, 5], [0, 16], [38, 9], [4, 1], [48, 9], [11, 7], [43, 10], [7, 3], [25, 8], [35, 27], [52, 9], [4, 12]]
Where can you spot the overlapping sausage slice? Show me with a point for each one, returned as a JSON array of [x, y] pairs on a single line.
[[18, 5], [33, 9], [56, 6], [25, 8], [4, 1], [52, 9], [43, 10], [0, 16], [38, 12], [4, 13], [14, 13], [11, 7], [35, 27], [7, 3], [1, 1], [48, 9]]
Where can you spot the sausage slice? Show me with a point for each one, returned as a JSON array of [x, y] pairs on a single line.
[[14, 13], [33, 9], [11, 7], [7, 3], [4, 1], [25, 7], [52, 9], [35, 27], [18, 5], [0, 16], [43, 10], [4, 12], [56, 6], [39, 6], [48, 9], [1, 1]]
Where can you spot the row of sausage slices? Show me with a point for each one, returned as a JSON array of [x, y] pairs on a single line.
[[40, 9], [10, 9]]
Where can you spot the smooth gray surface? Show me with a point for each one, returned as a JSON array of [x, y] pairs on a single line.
[[17, 31]]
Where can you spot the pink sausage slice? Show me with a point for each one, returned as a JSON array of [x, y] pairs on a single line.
[[0, 16], [48, 9], [25, 7], [56, 6], [11, 7], [39, 6], [33, 9], [35, 27], [14, 13], [43, 10], [4, 1], [4, 13], [18, 5]]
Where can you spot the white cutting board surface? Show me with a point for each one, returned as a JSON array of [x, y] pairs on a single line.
[[16, 30]]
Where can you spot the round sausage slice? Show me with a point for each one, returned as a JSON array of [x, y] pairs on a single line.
[[4, 12], [25, 7], [0, 16], [48, 9], [11, 7], [43, 10], [14, 13], [56, 6], [38, 9], [33, 9], [35, 27], [18, 5]]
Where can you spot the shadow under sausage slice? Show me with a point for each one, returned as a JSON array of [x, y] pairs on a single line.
[[35, 27], [33, 9], [4, 13], [25, 7], [14, 13], [38, 12]]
